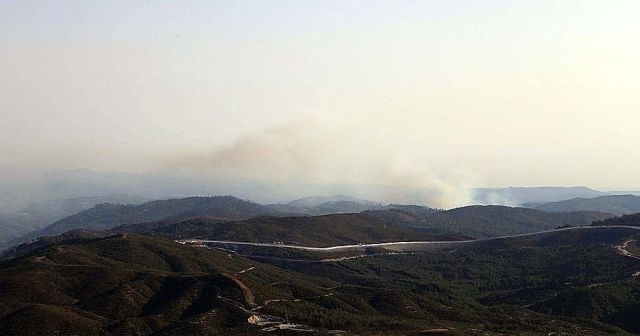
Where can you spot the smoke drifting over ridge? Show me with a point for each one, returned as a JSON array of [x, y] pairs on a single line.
[[426, 91], [316, 151]]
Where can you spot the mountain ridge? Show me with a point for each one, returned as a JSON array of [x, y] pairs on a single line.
[[40, 214], [484, 221], [107, 216], [616, 204], [519, 196]]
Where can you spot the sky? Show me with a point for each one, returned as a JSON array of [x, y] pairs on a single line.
[[439, 95]]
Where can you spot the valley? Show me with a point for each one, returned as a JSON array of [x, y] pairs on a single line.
[[232, 267], [404, 246]]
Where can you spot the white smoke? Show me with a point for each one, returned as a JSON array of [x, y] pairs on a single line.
[[316, 151]]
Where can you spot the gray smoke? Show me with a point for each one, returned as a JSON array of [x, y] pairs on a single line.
[[318, 152]]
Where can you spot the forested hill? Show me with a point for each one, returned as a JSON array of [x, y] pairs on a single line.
[[132, 284], [107, 216], [625, 220], [615, 204], [321, 231], [492, 220], [40, 214]]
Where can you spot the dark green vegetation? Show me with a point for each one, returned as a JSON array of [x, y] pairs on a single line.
[[229, 218], [615, 204], [223, 208], [23, 249], [124, 285], [108, 215], [473, 221], [126, 275], [41, 214], [129, 283], [591, 282], [492, 220], [624, 220], [328, 230]]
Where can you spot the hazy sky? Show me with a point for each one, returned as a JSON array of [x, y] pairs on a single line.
[[438, 93]]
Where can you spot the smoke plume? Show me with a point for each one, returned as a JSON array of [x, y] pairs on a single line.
[[316, 151]]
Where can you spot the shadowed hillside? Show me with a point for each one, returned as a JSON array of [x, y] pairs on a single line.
[[313, 201], [40, 214], [625, 220], [127, 284], [491, 221], [616, 204], [317, 206], [106, 216], [328, 230]]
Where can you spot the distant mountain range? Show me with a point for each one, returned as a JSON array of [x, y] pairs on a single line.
[[325, 205], [21, 186], [117, 269], [527, 196], [493, 220], [325, 208], [326, 230], [38, 215], [108, 215], [218, 208], [314, 201], [615, 204], [472, 221]]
